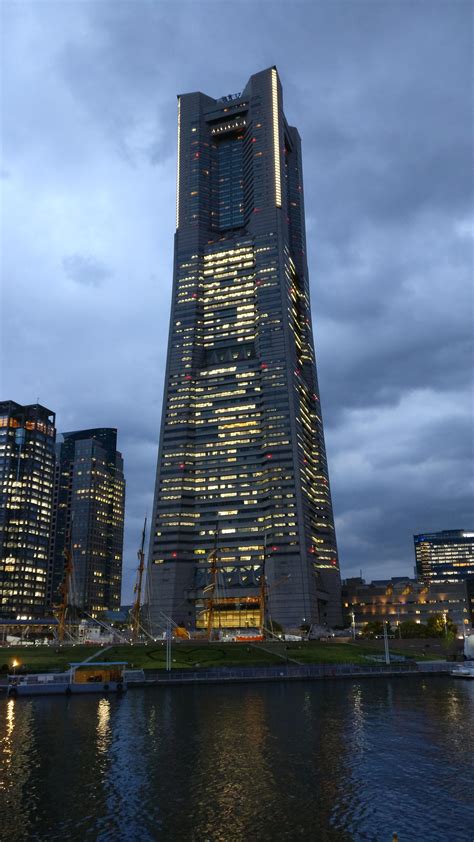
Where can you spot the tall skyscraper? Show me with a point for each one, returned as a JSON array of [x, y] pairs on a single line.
[[242, 487], [446, 556], [89, 513], [27, 438]]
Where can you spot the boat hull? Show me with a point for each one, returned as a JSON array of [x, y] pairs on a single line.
[[463, 673]]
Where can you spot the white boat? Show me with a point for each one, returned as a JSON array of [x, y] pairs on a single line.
[[93, 677], [466, 671]]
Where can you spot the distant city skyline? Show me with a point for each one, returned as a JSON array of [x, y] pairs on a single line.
[[379, 93]]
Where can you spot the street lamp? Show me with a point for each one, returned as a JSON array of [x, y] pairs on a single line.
[[385, 642], [15, 664], [353, 624]]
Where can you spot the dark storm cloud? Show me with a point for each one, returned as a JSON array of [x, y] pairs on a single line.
[[85, 269], [379, 93]]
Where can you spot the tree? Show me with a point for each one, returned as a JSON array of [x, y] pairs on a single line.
[[435, 625], [411, 629], [440, 625], [372, 629]]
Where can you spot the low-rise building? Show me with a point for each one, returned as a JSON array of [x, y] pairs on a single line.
[[400, 599]]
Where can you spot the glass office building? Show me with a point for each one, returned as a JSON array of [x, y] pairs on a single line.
[[242, 512], [89, 517], [27, 440], [446, 556]]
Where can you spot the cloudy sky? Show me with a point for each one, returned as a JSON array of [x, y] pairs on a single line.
[[380, 92]]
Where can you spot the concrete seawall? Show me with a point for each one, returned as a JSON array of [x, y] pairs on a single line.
[[311, 672], [285, 672]]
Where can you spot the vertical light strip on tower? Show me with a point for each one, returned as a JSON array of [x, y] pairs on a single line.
[[177, 163], [276, 138]]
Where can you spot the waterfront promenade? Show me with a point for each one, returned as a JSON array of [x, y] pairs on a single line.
[[286, 669]]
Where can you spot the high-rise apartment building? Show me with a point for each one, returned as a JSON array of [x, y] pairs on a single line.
[[446, 556], [89, 517], [242, 487], [27, 438]]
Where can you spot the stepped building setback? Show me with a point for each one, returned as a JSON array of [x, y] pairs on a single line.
[[242, 500]]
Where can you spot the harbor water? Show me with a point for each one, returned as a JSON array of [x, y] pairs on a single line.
[[330, 760]]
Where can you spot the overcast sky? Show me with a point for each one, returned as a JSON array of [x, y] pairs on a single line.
[[380, 93]]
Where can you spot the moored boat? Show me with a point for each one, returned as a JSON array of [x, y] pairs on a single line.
[[96, 677], [466, 671]]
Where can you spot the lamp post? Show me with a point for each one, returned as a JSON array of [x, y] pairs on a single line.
[[15, 664], [169, 637], [353, 624], [385, 641]]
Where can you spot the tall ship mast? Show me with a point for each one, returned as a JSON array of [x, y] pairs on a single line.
[[135, 613], [65, 586]]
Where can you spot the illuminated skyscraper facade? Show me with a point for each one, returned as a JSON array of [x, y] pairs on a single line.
[[27, 439], [89, 516], [446, 556], [242, 512]]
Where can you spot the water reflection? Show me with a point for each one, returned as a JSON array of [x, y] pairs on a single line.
[[103, 726], [330, 761], [232, 780], [6, 746], [18, 760]]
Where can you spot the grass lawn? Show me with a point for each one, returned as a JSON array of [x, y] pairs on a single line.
[[151, 656], [192, 655]]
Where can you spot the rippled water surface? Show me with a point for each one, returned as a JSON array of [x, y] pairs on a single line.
[[331, 760]]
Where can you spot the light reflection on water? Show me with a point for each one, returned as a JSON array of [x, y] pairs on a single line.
[[330, 761]]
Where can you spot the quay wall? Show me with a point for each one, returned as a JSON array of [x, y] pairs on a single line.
[[228, 675]]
